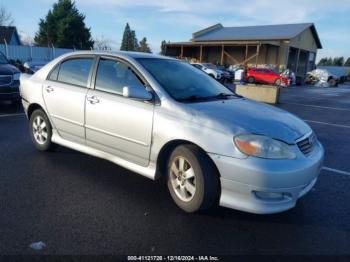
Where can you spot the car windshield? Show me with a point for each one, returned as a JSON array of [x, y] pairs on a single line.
[[184, 82], [3, 59], [275, 71]]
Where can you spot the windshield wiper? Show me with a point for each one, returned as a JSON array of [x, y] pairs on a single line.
[[225, 95], [193, 98]]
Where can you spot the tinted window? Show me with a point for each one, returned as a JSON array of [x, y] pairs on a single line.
[[54, 73], [113, 75], [181, 80], [75, 71]]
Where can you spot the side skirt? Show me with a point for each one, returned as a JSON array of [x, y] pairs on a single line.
[[148, 172]]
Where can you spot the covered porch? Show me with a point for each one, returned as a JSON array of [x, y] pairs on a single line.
[[227, 53]]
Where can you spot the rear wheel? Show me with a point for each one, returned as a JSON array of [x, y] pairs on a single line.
[[40, 130], [251, 80], [193, 181]]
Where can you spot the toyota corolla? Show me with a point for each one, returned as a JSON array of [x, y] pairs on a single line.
[[161, 117]]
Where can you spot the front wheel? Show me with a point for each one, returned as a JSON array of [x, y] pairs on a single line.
[[278, 82], [332, 82], [40, 130], [193, 181]]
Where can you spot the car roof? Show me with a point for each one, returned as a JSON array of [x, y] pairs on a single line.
[[120, 53]]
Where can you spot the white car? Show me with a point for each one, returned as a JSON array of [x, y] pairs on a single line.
[[210, 69]]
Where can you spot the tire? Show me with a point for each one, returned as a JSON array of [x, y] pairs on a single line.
[[332, 82], [192, 190], [251, 80], [40, 130], [277, 82]]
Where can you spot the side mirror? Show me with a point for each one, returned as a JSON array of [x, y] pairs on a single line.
[[137, 92]]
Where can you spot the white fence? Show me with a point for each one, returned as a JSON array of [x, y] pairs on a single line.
[[27, 53]]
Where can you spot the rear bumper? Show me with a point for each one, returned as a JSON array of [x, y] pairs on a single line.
[[246, 182]]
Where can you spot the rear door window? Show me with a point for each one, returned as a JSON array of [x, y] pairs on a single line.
[[75, 71]]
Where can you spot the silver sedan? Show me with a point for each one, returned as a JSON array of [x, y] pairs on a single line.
[[161, 117]]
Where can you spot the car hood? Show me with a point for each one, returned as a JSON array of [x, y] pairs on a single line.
[[7, 69], [241, 115]]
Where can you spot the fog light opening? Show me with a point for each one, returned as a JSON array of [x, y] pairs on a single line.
[[272, 196]]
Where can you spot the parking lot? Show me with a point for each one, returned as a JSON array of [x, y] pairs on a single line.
[[78, 204]]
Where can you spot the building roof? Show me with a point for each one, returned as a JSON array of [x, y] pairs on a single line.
[[252, 33], [6, 33]]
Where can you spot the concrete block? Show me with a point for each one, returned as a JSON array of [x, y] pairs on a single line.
[[262, 93]]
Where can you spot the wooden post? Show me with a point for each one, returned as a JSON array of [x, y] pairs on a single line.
[[257, 55], [200, 53], [246, 54], [277, 56], [266, 53], [297, 64], [182, 51], [222, 54]]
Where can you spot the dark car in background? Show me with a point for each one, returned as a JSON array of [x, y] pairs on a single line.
[[227, 74], [9, 81]]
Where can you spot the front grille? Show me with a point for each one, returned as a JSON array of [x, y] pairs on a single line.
[[5, 80], [307, 145]]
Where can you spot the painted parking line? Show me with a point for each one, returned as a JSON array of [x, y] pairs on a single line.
[[325, 123], [336, 171], [323, 107], [7, 115]]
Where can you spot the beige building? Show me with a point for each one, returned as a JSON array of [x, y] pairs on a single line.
[[292, 46]]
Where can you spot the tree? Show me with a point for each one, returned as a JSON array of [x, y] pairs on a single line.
[[323, 61], [338, 61], [64, 27], [26, 39], [326, 61], [102, 43], [347, 62], [5, 17], [163, 47], [134, 41], [129, 42], [144, 46]]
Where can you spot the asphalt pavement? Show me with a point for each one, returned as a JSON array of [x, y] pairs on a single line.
[[78, 204]]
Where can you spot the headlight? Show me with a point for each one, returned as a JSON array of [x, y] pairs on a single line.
[[264, 147], [16, 76]]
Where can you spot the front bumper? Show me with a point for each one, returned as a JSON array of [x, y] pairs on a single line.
[[11, 96], [241, 179], [11, 92]]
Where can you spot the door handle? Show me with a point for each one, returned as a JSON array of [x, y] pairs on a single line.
[[93, 99], [49, 89]]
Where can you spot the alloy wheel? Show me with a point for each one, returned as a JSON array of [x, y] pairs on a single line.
[[40, 130], [183, 179]]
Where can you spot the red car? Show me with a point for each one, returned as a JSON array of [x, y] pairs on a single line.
[[266, 76]]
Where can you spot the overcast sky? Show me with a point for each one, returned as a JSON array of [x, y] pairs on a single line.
[[175, 20]]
